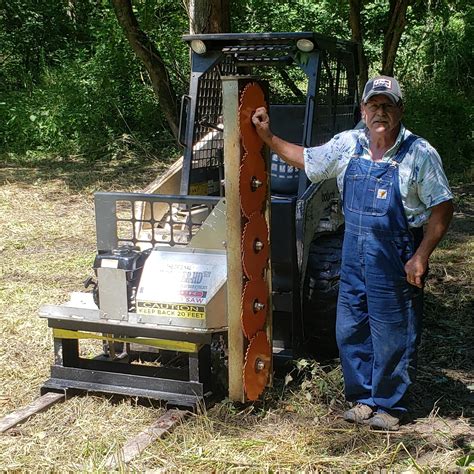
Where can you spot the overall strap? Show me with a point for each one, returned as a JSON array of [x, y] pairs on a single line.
[[404, 148]]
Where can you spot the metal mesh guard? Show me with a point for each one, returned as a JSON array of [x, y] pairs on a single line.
[[147, 220]]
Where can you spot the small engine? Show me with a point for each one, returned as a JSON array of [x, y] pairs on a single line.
[[127, 260]]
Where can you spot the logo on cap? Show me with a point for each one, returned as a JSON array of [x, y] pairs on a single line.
[[383, 83]]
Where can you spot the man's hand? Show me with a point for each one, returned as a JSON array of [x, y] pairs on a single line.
[[438, 224], [261, 120], [415, 269], [291, 153]]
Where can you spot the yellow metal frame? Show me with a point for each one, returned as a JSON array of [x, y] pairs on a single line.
[[179, 346]]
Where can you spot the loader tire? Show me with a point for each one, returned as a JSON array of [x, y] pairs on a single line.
[[321, 288]]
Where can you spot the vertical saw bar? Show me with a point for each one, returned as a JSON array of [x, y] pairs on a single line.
[[232, 153]]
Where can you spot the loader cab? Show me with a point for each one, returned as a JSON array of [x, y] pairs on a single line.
[[311, 83], [166, 327], [312, 90]]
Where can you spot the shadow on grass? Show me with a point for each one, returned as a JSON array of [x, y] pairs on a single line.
[[446, 356], [80, 173]]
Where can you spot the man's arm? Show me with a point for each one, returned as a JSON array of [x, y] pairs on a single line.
[[291, 153], [437, 226]]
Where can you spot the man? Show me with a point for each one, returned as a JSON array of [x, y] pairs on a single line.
[[392, 183]]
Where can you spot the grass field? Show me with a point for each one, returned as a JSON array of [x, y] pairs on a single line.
[[46, 250]]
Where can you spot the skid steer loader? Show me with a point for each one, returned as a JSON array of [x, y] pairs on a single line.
[[231, 260]]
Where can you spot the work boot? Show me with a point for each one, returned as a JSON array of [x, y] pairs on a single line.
[[358, 414], [384, 421]]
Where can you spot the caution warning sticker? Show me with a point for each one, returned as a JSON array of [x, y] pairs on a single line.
[[173, 310]]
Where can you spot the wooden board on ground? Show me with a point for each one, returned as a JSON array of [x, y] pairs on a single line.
[[23, 414], [133, 447]]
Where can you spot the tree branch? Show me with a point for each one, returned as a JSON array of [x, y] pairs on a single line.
[[397, 23], [356, 29], [152, 60]]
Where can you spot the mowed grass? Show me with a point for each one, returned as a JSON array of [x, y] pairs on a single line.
[[47, 246]]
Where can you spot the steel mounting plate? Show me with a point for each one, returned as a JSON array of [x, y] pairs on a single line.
[[257, 365], [254, 306]]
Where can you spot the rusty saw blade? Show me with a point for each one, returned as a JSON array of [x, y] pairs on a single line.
[[254, 306], [255, 245], [257, 365], [251, 98], [252, 183]]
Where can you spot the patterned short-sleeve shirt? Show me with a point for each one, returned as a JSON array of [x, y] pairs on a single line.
[[423, 183]]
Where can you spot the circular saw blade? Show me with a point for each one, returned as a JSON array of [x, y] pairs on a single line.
[[257, 365], [255, 249], [252, 183], [251, 98], [254, 306]]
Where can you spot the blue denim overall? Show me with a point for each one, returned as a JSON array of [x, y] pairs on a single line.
[[379, 312]]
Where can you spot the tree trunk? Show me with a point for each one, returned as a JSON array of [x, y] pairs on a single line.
[[152, 60], [397, 22], [209, 16], [356, 28]]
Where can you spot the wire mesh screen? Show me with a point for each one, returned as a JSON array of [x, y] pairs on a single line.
[[335, 100], [208, 140], [288, 84], [148, 221]]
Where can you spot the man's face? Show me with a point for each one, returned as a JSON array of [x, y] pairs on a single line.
[[380, 114]]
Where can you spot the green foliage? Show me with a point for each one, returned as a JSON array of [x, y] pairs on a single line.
[[329, 17], [86, 97], [165, 22], [437, 79], [374, 20], [466, 461], [34, 35], [70, 83], [445, 119], [437, 44], [80, 107]]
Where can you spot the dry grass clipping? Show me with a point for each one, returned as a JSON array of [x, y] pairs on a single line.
[[47, 249]]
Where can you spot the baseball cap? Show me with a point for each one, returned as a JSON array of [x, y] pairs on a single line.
[[385, 85]]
